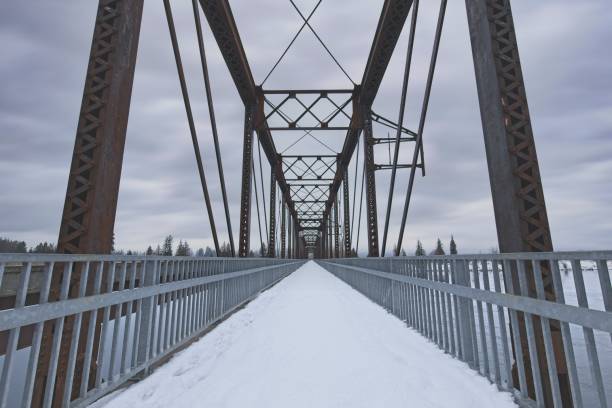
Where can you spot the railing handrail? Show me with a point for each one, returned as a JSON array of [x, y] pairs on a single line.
[[131, 311], [52, 257], [463, 302], [582, 316]]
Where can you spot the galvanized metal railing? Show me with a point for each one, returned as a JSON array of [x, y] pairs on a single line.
[[470, 306], [126, 313]]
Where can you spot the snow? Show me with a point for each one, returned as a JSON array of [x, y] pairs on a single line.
[[311, 341]]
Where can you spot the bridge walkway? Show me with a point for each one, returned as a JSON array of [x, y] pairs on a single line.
[[311, 341]]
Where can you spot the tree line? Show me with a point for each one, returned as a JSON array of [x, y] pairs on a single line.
[[439, 249], [20, 247], [166, 248]]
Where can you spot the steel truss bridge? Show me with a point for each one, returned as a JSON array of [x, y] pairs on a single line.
[[313, 190]]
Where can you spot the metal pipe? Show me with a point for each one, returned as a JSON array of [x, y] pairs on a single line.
[[192, 130], [419, 140], [400, 120], [213, 123]]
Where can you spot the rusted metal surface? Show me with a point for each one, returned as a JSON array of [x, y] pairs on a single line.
[[347, 214], [370, 182], [518, 197], [244, 234], [93, 185]]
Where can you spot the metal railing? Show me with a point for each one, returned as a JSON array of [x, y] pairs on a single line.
[[469, 306], [124, 314]]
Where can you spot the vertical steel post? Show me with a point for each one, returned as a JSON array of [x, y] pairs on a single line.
[[323, 239], [145, 340], [347, 214], [336, 231], [290, 236], [518, 197], [245, 195], [370, 179], [283, 229], [90, 204], [272, 232], [330, 236]]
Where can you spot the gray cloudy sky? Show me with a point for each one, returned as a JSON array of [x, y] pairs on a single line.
[[565, 51]]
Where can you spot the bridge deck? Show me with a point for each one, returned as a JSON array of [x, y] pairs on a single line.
[[312, 341]]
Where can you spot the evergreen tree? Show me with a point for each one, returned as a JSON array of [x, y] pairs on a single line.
[[43, 248], [200, 252], [439, 248], [167, 248], [209, 252], [149, 250], [419, 249], [183, 249], [453, 246], [158, 250], [10, 246], [402, 252]]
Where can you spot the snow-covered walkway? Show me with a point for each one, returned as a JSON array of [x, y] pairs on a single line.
[[311, 341]]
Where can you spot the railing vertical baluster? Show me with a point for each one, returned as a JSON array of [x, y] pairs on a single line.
[[128, 319], [516, 337], [174, 304], [57, 338], [566, 336], [467, 339], [11, 345], [163, 309], [502, 329], [545, 323], [138, 318], [472, 316], [604, 283], [116, 322], [449, 310], [533, 351], [105, 323], [480, 312], [453, 273], [145, 347], [74, 341], [37, 337], [589, 337], [491, 323]]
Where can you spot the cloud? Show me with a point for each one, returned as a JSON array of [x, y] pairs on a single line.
[[566, 73]]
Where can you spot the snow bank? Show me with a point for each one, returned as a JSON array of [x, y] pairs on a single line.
[[312, 341]]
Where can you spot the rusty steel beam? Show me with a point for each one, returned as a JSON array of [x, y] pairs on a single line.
[[347, 214], [90, 205], [390, 24], [283, 230], [272, 231], [244, 234], [370, 182], [223, 26], [392, 19], [516, 186]]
